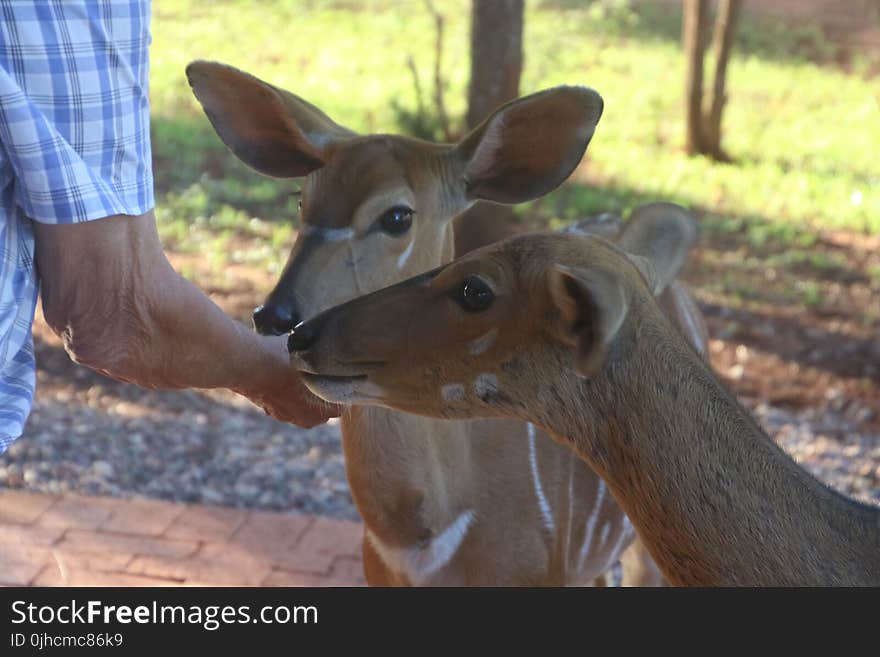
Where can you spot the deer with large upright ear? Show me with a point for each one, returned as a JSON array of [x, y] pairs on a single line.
[[272, 130], [378, 207], [583, 351], [483, 502]]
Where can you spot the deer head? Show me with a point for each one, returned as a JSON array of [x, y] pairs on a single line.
[[467, 339], [376, 207]]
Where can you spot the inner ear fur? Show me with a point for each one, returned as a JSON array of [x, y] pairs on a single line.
[[658, 237], [592, 306], [272, 130], [529, 146]]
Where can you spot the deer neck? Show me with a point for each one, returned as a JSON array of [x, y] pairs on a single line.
[[713, 498], [410, 476], [400, 466]]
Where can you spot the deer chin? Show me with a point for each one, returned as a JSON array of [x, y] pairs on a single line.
[[357, 389]]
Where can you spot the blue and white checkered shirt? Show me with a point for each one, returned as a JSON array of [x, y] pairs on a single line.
[[74, 146]]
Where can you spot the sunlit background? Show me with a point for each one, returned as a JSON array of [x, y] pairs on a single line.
[[787, 272]]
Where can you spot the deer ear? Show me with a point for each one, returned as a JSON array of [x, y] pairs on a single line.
[[592, 305], [269, 129], [529, 146], [657, 239]]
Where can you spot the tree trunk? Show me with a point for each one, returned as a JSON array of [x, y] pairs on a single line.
[[496, 56], [496, 65], [722, 43], [696, 14]]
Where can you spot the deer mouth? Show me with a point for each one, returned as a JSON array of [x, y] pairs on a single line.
[[331, 379], [348, 389]]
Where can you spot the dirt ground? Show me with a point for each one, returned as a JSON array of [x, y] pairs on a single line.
[[797, 356]]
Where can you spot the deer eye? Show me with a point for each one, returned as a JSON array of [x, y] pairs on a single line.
[[474, 295], [397, 220]]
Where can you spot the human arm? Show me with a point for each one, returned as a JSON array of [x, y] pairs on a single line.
[[109, 291]]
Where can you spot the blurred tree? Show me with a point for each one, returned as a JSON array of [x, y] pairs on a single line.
[[496, 56], [703, 122], [496, 65], [696, 13], [722, 43]]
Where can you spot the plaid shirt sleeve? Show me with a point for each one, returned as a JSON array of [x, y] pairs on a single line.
[[74, 108], [74, 146]]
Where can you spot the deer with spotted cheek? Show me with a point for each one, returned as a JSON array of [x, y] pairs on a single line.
[[583, 351], [442, 502]]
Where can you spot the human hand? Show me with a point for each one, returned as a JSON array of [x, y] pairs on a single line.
[[290, 401], [279, 390]]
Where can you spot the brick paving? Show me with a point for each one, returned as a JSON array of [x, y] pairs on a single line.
[[74, 540]]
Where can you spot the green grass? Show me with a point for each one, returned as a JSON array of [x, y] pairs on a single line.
[[804, 134]]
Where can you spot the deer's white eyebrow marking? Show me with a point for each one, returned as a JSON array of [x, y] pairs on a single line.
[[328, 234], [481, 344], [401, 261]]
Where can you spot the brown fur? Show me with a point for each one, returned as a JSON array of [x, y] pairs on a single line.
[[410, 476], [715, 501]]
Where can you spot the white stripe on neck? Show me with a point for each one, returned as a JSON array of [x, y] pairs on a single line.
[[570, 516], [543, 504], [591, 523], [623, 541], [419, 564]]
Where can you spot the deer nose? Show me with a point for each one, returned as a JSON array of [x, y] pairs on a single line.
[[303, 337], [270, 319]]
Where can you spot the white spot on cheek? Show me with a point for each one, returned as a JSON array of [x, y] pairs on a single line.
[[401, 261], [452, 392], [481, 344], [486, 384]]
